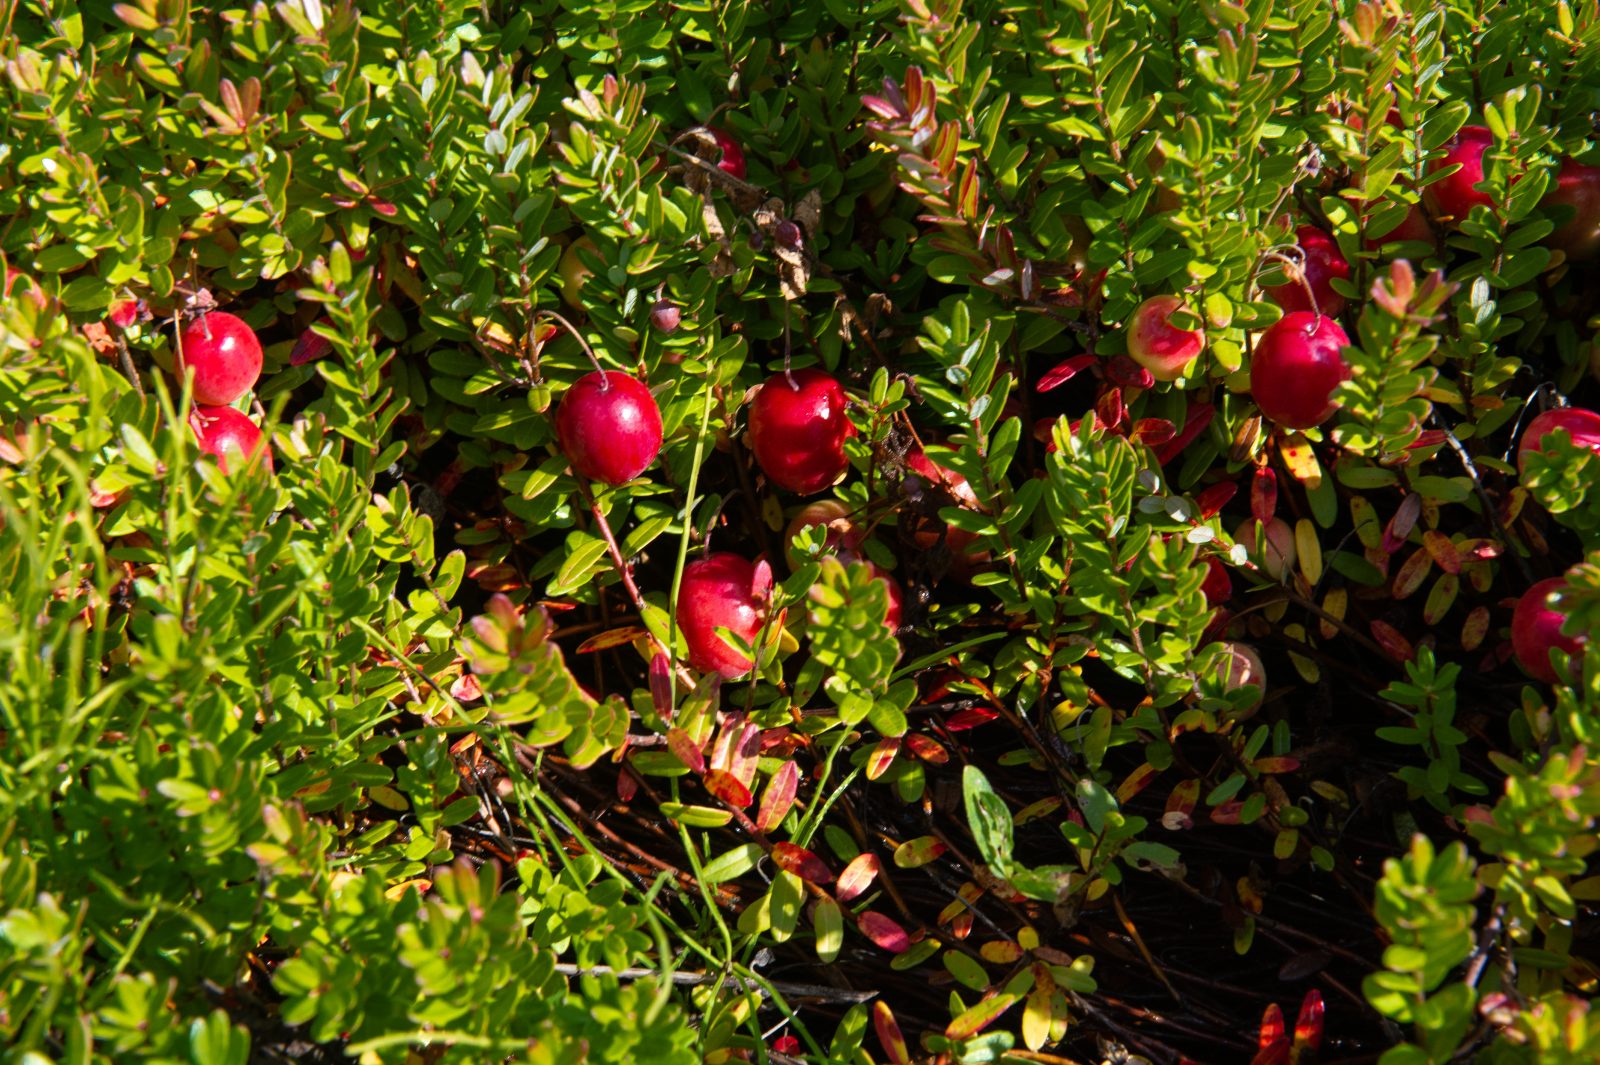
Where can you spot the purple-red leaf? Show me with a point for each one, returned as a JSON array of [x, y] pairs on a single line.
[[884, 931], [801, 862], [779, 797]]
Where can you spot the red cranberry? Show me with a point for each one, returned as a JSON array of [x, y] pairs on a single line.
[[224, 356], [609, 426], [1536, 629], [665, 316], [725, 591], [1323, 262], [1583, 426], [1295, 368], [226, 433], [1159, 346], [1577, 187], [732, 154], [798, 430], [1455, 195], [788, 235]]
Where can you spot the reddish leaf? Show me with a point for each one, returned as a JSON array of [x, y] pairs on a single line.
[[1308, 1025], [1227, 813], [971, 717], [1276, 1054], [627, 786], [1276, 764], [858, 876], [1110, 410], [729, 788], [1180, 805], [661, 685], [1271, 1030], [1200, 416], [1264, 494], [880, 107], [604, 641], [926, 748], [894, 1044], [311, 346], [1213, 499], [1390, 639], [1000, 951], [685, 749], [1400, 526], [801, 862], [1475, 628], [1123, 372], [746, 754], [882, 756], [779, 797], [786, 1044], [884, 931], [1062, 372], [915, 853], [1442, 550], [1152, 431], [1137, 781]]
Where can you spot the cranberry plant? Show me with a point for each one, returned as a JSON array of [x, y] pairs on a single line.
[[915, 531]]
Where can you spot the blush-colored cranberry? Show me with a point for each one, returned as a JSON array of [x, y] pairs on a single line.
[[1583, 426], [732, 161], [891, 616], [725, 591], [1295, 368], [1323, 262], [609, 426], [788, 234], [1158, 345], [230, 436], [1577, 188], [1536, 629], [665, 316], [223, 354], [1455, 195], [798, 430], [1413, 228]]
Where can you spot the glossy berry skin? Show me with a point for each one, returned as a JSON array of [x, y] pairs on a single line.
[[1158, 345], [665, 316], [1582, 425], [609, 426], [230, 436], [224, 356], [732, 162], [1577, 187], [1323, 262], [798, 431], [1295, 368], [721, 590], [1536, 628], [1413, 228], [788, 234], [1454, 196], [1278, 550]]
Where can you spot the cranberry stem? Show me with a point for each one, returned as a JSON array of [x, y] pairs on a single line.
[[605, 382], [788, 352], [1294, 257]]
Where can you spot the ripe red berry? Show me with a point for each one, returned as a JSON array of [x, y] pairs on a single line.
[[1413, 228], [1158, 345], [732, 161], [1218, 585], [1583, 426], [1455, 195], [798, 430], [609, 426], [223, 354], [842, 537], [1323, 262], [226, 433], [1577, 187], [1295, 368], [788, 234], [1536, 628], [722, 590]]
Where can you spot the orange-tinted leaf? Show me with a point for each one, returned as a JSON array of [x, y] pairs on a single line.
[[1308, 1025], [746, 754], [1180, 806], [1390, 639], [858, 876], [889, 1037], [685, 750], [1227, 813], [1475, 628], [926, 748], [1213, 499], [1000, 951], [728, 788], [1137, 781], [1409, 577], [779, 797], [602, 641], [979, 1017], [1152, 431], [1277, 764], [661, 685], [1334, 603], [882, 756], [884, 931], [1442, 550], [801, 862], [915, 853], [1035, 810]]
